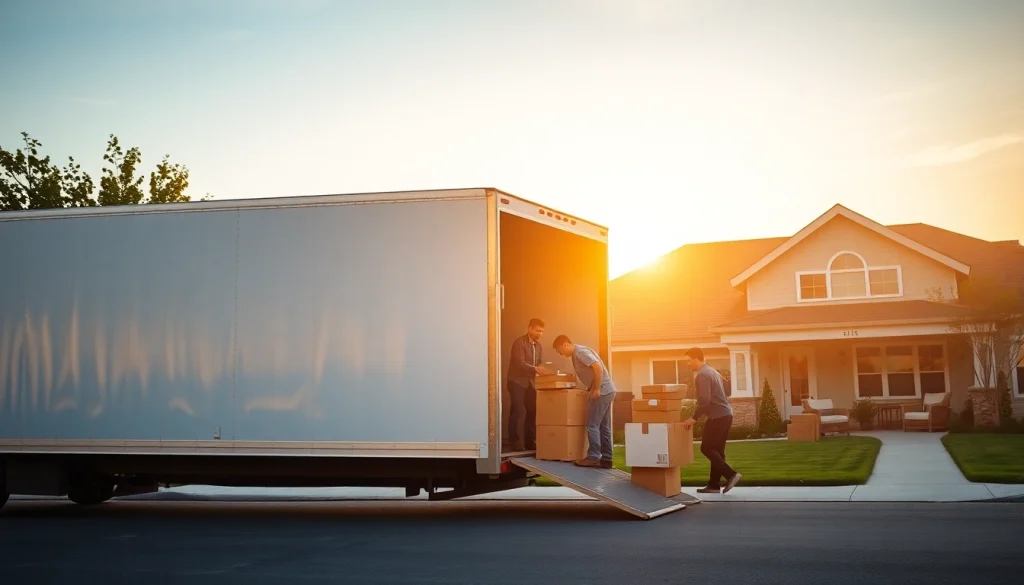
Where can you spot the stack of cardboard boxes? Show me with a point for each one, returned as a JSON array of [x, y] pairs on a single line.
[[657, 443], [561, 418]]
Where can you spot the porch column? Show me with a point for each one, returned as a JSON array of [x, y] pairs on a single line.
[[740, 366], [983, 394]]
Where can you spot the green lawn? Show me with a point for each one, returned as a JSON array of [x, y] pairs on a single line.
[[831, 461], [988, 458]]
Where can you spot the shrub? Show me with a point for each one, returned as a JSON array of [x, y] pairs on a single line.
[[769, 421], [863, 412]]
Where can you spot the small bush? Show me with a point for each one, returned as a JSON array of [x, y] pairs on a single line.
[[1005, 401], [769, 422]]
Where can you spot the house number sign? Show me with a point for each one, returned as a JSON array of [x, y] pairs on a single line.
[[851, 333]]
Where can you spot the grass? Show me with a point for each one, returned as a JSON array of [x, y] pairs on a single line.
[[988, 458], [831, 461]]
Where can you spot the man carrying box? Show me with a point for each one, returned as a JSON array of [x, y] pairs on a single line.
[[523, 368], [592, 375], [711, 401]]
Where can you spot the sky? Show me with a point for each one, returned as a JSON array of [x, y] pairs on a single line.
[[671, 122]]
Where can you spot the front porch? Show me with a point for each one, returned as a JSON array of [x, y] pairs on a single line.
[[892, 368]]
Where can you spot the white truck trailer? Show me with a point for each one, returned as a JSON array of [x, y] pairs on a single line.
[[342, 340]]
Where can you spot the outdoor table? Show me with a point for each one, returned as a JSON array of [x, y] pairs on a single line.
[[889, 416]]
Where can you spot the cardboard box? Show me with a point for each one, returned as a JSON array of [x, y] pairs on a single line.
[[675, 395], [545, 386], [651, 390], [804, 427], [664, 481], [561, 443], [562, 408], [656, 416], [658, 445], [655, 404]]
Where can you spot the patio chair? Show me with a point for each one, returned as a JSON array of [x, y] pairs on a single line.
[[932, 415], [833, 420]]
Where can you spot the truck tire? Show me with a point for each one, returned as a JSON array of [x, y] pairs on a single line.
[[90, 491]]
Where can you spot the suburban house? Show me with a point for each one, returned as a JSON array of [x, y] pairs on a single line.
[[844, 309]]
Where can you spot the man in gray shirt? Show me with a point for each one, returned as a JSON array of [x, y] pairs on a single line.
[[593, 376], [712, 402], [523, 367]]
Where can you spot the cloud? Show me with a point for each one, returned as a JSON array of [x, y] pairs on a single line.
[[951, 153]]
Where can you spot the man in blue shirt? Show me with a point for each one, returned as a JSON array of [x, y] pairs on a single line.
[[592, 375]]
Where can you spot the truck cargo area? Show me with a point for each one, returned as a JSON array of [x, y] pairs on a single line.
[[555, 275]]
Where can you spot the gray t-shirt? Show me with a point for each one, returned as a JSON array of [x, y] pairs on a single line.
[[582, 358], [711, 398]]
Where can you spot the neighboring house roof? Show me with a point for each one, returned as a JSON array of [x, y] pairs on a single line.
[[839, 210], [688, 294], [861, 314]]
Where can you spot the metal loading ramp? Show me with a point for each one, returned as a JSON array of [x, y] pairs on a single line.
[[608, 485]]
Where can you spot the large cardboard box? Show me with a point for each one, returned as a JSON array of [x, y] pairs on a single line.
[[656, 404], [656, 416], [664, 481], [562, 408], [555, 381], [658, 445], [804, 427], [561, 443]]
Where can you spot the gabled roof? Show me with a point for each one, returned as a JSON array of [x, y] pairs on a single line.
[[836, 211], [688, 293]]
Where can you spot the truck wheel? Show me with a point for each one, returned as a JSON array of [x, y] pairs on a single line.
[[90, 492]]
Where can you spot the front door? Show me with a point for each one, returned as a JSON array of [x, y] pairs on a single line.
[[798, 378]]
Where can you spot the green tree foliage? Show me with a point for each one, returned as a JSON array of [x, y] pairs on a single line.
[[1005, 400], [119, 185], [29, 180], [168, 183], [768, 420]]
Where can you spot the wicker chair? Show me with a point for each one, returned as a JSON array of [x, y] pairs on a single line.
[[932, 415], [833, 420]]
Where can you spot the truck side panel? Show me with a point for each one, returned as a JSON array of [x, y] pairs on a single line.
[[116, 327], [363, 323], [356, 323]]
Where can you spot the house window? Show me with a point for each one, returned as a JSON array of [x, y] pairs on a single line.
[[677, 371], [848, 276], [931, 363], [900, 371], [813, 286], [1018, 379], [884, 282]]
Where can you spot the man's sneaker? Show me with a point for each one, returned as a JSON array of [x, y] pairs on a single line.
[[605, 464], [732, 483], [588, 463], [709, 490]]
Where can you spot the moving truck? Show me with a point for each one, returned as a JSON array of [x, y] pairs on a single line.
[[341, 340]]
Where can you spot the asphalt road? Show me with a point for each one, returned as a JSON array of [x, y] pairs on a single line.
[[508, 542]]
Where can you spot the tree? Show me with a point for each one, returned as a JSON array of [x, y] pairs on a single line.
[[993, 321], [769, 421], [119, 185], [168, 183], [29, 181]]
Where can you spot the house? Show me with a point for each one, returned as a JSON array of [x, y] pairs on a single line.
[[844, 309]]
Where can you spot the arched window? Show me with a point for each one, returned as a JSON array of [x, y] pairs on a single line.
[[848, 276]]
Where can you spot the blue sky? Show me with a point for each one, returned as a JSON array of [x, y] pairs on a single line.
[[671, 122]]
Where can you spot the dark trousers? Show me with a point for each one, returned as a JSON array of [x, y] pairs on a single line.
[[712, 445], [523, 412]]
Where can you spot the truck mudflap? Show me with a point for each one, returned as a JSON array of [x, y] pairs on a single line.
[[611, 486]]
